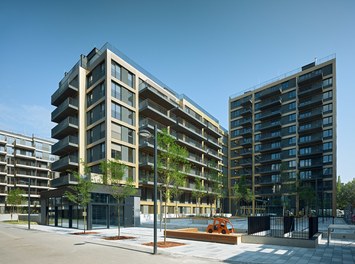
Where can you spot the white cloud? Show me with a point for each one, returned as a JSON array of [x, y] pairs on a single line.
[[26, 119]]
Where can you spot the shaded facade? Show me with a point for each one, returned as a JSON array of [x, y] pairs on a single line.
[[24, 160], [103, 102], [283, 141]]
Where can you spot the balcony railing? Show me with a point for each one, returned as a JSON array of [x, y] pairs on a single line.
[[69, 121]]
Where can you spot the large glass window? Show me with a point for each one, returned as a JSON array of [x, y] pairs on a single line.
[[122, 152], [122, 133], [122, 113]]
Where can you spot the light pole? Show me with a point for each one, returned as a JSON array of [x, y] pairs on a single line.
[[147, 134], [29, 204]]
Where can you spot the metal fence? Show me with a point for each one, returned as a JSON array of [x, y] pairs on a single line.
[[287, 226]]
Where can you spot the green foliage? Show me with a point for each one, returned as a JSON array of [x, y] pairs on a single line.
[[81, 193], [114, 171], [240, 192], [171, 159], [198, 193], [345, 194], [307, 195], [15, 198]]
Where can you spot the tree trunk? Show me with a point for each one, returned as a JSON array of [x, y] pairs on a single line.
[[119, 220], [166, 207], [84, 219]]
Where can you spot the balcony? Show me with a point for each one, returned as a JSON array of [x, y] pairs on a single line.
[[66, 127], [312, 114], [311, 127], [310, 89], [270, 102], [267, 170], [65, 145], [23, 144], [196, 159], [155, 111], [270, 136], [311, 139], [310, 77], [246, 152], [270, 125], [315, 150], [3, 161], [148, 123], [189, 115], [270, 91], [212, 130], [2, 140], [269, 159], [69, 162], [270, 114], [270, 147], [245, 162], [212, 153], [190, 143], [146, 162], [312, 102], [212, 142], [245, 142], [65, 90], [146, 91], [189, 129], [245, 121], [245, 131], [68, 107], [246, 111]]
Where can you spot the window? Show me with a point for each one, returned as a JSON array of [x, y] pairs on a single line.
[[292, 152], [275, 167], [327, 95], [291, 94], [275, 144], [275, 156], [291, 106], [327, 108], [257, 147], [306, 163], [291, 117], [304, 151], [305, 139], [327, 146], [327, 120], [257, 127], [122, 113], [116, 70], [327, 158], [291, 129], [292, 164], [328, 133], [327, 171], [116, 111], [122, 94], [304, 175], [130, 78], [96, 153], [122, 152], [292, 175], [327, 82], [292, 140]]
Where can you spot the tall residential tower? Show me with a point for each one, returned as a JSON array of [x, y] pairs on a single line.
[[103, 102], [283, 141]]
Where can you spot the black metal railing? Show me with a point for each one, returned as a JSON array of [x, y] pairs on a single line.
[[287, 226]]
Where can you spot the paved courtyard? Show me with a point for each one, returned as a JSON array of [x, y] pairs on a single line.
[[339, 251]]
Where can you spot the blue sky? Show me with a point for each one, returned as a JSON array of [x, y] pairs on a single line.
[[196, 47]]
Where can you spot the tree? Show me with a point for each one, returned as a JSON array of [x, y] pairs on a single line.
[[176, 192], [198, 193], [241, 192], [346, 195], [81, 193], [171, 159], [114, 171], [214, 191], [15, 198], [308, 196]]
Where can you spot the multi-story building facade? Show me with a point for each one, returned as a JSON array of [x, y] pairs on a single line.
[[24, 160], [103, 102], [283, 141]]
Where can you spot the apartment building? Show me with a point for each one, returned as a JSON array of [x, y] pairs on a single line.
[[24, 161], [283, 141], [101, 105]]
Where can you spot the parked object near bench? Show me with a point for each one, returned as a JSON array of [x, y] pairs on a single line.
[[220, 225]]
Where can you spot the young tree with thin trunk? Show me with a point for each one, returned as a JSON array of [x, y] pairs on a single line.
[[114, 171], [198, 193], [171, 158], [15, 198], [80, 194]]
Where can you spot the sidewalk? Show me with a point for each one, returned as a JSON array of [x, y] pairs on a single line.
[[339, 251]]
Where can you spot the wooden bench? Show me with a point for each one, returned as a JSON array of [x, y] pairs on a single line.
[[193, 234]]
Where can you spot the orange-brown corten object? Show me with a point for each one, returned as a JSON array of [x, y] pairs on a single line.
[[220, 225]]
